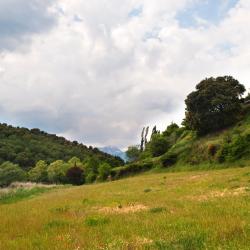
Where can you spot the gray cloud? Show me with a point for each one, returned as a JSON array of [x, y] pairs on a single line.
[[98, 80], [21, 18]]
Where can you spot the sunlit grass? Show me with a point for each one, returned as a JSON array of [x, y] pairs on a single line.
[[21, 194], [185, 210]]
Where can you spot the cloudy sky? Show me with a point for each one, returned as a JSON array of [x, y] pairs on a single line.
[[98, 71]]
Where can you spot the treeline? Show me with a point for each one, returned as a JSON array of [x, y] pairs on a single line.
[[74, 172], [26, 147]]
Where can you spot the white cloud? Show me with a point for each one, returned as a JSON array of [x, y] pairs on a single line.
[[101, 74]]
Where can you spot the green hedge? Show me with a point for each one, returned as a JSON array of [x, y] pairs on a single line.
[[131, 169]]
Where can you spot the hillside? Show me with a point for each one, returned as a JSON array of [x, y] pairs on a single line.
[[26, 147], [225, 146], [186, 210], [229, 145], [187, 151]]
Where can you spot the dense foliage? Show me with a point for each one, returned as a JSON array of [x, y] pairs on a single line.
[[39, 173], [214, 105], [9, 173], [133, 153], [158, 145], [75, 175], [26, 147]]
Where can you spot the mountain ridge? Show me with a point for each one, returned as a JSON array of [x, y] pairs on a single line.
[[115, 151]]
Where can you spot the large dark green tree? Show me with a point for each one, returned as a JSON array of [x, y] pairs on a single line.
[[214, 105]]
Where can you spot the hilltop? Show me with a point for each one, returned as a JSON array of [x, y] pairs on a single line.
[[26, 147]]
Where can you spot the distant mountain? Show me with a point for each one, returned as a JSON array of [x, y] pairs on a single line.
[[114, 151]]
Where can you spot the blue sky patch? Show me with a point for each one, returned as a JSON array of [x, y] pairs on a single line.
[[205, 12], [136, 11]]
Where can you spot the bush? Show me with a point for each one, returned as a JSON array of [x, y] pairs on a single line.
[[57, 172], [92, 165], [169, 159], [131, 169], [221, 155], [39, 172], [75, 176], [172, 128], [9, 173], [158, 145], [238, 148], [104, 171], [212, 149], [90, 177]]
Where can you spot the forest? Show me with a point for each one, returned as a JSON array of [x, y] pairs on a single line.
[[26, 153]]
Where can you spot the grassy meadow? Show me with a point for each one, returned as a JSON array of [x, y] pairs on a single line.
[[184, 210]]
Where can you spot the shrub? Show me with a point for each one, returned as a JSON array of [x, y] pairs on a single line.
[[131, 169], [212, 149], [169, 159], [104, 171], [75, 176], [238, 148], [39, 172], [221, 155], [9, 173], [92, 166], [90, 177], [173, 127], [57, 172], [158, 145]]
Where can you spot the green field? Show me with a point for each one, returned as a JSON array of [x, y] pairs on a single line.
[[186, 210]]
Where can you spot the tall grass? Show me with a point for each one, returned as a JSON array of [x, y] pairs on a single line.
[[184, 210]]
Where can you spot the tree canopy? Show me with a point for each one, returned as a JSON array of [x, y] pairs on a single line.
[[75, 175], [39, 172], [26, 147], [214, 105], [9, 173]]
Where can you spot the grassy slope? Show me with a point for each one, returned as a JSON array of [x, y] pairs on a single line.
[[194, 151], [185, 210]]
